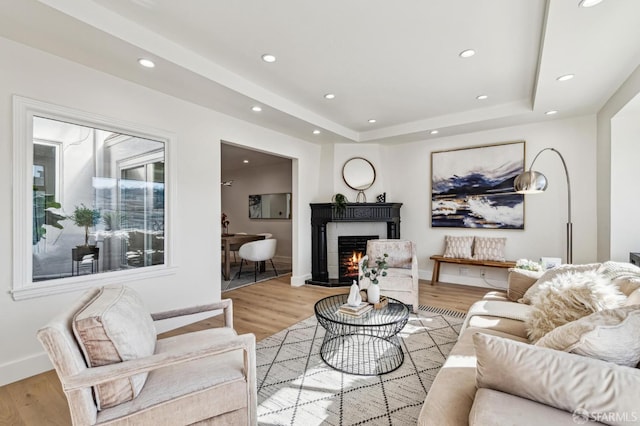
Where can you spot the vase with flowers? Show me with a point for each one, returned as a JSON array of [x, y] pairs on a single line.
[[374, 274], [528, 265], [225, 224]]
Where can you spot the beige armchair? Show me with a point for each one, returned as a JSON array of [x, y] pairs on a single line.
[[202, 377], [401, 282]]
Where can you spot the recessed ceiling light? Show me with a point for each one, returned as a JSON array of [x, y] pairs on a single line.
[[565, 77], [147, 63], [588, 3], [372, 120], [552, 112], [481, 97], [434, 132], [467, 53], [268, 58], [256, 108], [316, 132], [245, 161], [329, 96]]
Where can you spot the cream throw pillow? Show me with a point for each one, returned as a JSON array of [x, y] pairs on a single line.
[[627, 285], [113, 327], [562, 380], [519, 281], [457, 247], [485, 248], [633, 299], [568, 297], [611, 335]]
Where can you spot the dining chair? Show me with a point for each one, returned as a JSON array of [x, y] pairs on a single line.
[[235, 247], [258, 251]]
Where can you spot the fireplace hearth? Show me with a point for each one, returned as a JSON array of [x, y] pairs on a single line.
[[323, 213], [351, 248]]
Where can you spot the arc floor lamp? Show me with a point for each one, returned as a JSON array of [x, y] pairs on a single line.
[[532, 182]]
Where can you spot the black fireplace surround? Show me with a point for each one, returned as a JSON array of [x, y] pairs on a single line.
[[323, 213]]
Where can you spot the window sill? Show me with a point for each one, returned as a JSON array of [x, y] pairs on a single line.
[[67, 285]]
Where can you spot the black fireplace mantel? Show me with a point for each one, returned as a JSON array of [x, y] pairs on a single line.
[[323, 213]]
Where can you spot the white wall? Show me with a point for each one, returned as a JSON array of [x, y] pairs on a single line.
[[408, 176], [371, 152], [267, 179], [625, 204], [627, 91], [41, 76]]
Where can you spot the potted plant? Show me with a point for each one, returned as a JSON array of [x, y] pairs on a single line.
[[85, 217], [45, 213], [340, 201], [113, 220], [373, 274]]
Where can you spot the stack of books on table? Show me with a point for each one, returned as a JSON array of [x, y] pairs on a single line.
[[355, 311]]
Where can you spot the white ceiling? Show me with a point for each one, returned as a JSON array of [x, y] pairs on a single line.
[[393, 61]]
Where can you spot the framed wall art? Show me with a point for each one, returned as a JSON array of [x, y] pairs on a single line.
[[473, 187]]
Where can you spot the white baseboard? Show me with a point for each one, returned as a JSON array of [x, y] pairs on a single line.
[[23, 368], [299, 280]]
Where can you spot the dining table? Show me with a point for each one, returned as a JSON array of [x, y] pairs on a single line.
[[234, 240]]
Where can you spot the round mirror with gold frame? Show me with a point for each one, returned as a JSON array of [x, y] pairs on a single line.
[[359, 174]]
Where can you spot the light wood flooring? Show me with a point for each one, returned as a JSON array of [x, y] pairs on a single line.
[[263, 309]]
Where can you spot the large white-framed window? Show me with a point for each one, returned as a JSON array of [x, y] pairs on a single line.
[[93, 200]]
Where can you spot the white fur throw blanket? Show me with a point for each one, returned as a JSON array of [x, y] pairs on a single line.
[[568, 297]]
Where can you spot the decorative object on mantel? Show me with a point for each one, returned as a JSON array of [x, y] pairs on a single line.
[[379, 271], [354, 298], [359, 174], [340, 201], [382, 198], [473, 187], [225, 224], [532, 182]]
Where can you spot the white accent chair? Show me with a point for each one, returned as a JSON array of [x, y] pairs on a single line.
[[258, 251], [203, 377], [235, 247], [401, 282]]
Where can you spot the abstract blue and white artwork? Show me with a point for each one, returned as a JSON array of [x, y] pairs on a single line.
[[473, 187]]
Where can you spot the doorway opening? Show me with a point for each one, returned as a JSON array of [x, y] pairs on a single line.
[[256, 199]]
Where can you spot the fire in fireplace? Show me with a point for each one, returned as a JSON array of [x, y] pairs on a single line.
[[351, 248]]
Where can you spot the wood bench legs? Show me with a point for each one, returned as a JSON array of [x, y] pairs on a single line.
[[436, 272]]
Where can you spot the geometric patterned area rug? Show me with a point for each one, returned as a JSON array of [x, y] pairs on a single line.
[[295, 387]]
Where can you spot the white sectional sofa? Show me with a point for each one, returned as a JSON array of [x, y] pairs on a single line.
[[495, 375]]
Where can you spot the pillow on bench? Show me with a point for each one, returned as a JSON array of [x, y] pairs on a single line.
[[489, 248], [457, 247], [113, 327]]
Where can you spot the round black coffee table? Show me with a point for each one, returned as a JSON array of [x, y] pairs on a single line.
[[367, 345]]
